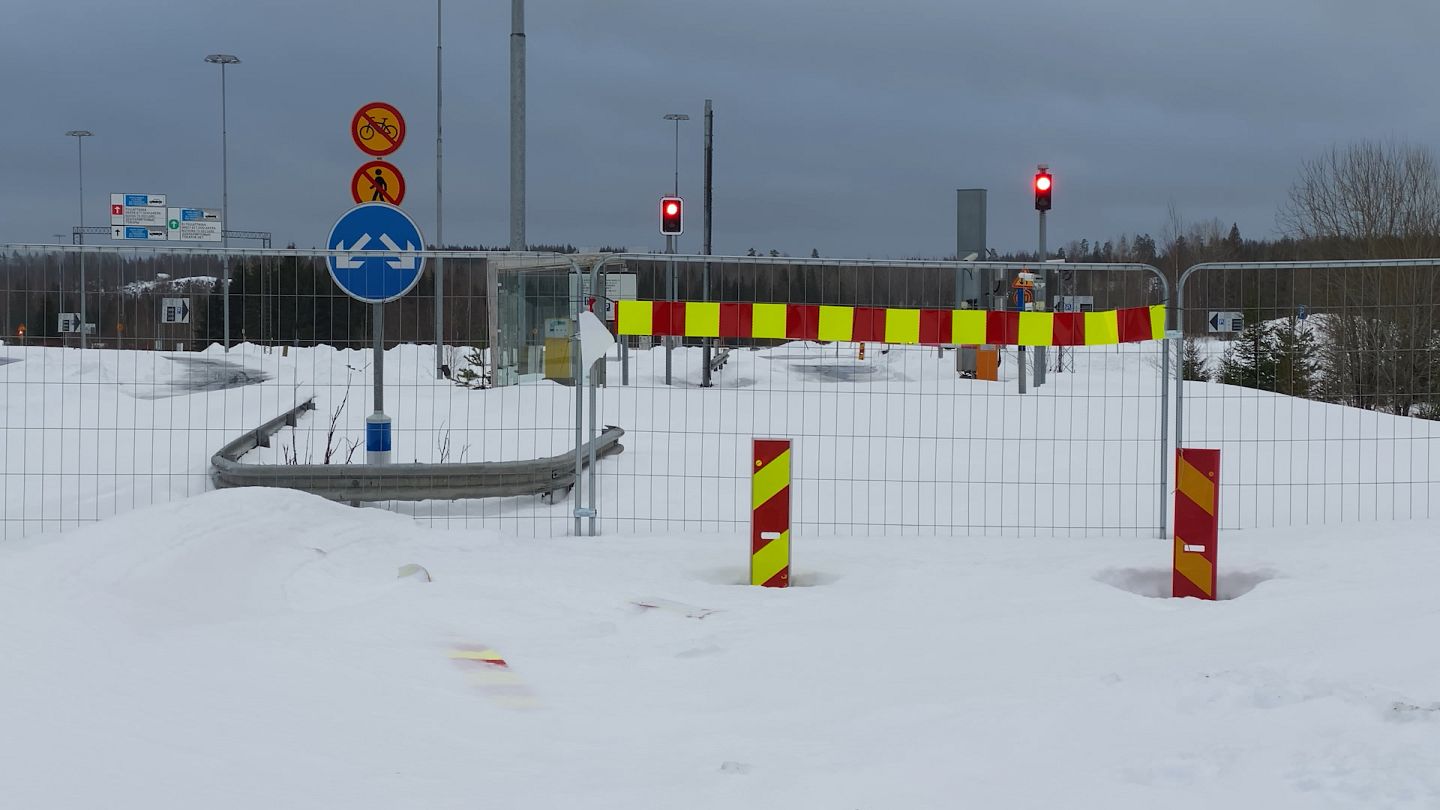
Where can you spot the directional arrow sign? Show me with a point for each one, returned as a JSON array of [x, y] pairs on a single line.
[[1227, 321], [379, 273]]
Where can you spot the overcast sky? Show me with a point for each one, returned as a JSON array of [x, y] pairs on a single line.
[[843, 126]]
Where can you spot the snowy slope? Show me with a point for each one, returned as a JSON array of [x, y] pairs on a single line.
[[250, 649]]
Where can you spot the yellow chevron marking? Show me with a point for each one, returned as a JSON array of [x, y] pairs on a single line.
[[967, 327], [770, 560], [702, 319], [1196, 486], [1036, 329], [1102, 328], [768, 321], [1157, 322], [635, 318], [1193, 567], [837, 323], [902, 326], [769, 480]]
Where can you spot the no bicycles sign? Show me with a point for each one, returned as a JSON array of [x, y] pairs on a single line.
[[378, 128]]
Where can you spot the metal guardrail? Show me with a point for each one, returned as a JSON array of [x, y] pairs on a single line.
[[400, 482]]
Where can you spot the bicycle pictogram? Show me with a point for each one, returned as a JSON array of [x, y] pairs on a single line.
[[367, 132]]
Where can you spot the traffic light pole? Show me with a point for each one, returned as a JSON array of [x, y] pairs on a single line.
[[1044, 303], [669, 296]]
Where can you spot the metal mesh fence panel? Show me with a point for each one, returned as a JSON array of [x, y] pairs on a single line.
[[887, 435], [133, 418], [1318, 382]]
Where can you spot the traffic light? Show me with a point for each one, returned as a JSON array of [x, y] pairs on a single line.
[[672, 216], [1043, 184]]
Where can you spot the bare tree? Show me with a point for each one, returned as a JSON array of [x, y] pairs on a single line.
[[1369, 200]]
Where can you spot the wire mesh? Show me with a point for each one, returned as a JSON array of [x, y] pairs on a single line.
[[888, 438], [1324, 400], [896, 440]]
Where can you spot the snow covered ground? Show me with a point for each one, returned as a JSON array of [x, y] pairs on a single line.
[[248, 649], [181, 648]]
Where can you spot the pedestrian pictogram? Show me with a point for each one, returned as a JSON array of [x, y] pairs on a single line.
[[378, 128], [378, 181]]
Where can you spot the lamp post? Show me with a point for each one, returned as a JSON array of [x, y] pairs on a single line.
[[80, 135], [677, 118], [670, 291], [223, 59]]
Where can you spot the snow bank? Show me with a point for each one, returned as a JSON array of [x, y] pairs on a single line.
[[248, 649]]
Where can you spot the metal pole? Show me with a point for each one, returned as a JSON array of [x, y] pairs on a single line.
[[225, 205], [1178, 324], [517, 127], [709, 198], [579, 371], [379, 311], [677, 156], [1046, 276], [80, 151], [377, 426], [441, 371], [669, 296], [1165, 421], [594, 510]]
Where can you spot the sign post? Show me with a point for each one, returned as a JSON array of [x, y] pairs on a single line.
[[383, 273]]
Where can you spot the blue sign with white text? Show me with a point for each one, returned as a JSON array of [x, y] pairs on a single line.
[[380, 273]]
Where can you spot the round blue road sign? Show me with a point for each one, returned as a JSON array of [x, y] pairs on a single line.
[[383, 232]]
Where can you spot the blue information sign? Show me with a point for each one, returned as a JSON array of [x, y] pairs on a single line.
[[380, 274]]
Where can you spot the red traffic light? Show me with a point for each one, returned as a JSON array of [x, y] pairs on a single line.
[[1043, 186], [672, 216]]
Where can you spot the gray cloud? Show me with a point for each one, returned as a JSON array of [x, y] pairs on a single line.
[[842, 126]]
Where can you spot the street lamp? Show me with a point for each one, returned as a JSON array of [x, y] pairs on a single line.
[[80, 135], [677, 118], [223, 59]]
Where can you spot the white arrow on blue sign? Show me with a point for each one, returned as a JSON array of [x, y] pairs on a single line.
[[381, 274]]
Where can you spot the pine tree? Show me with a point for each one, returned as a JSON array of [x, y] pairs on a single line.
[[1250, 361], [814, 253], [1193, 363], [1296, 359], [1233, 243]]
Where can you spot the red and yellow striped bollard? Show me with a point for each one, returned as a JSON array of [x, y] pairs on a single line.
[[1197, 522], [770, 513]]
